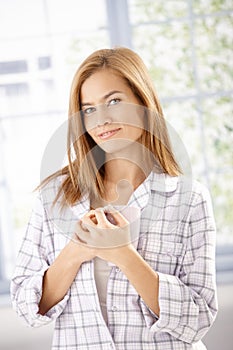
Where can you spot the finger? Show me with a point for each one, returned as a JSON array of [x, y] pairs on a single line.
[[91, 215], [88, 221], [83, 227], [110, 217], [120, 219], [80, 240], [102, 219], [80, 227], [81, 234]]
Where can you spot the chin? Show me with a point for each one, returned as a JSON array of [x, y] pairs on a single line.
[[116, 145]]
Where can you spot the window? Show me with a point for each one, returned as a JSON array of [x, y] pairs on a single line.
[[16, 89], [13, 67], [50, 40], [187, 46], [44, 62]]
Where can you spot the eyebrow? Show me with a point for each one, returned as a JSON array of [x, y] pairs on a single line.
[[103, 98]]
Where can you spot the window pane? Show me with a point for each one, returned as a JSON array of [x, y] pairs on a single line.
[[166, 51], [44, 62], [17, 89], [184, 118], [218, 113], [221, 186], [13, 67], [210, 6], [159, 10], [214, 52]]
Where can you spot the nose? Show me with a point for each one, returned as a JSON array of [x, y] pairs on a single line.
[[103, 122], [99, 118], [103, 116]]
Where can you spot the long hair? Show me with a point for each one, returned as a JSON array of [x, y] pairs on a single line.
[[85, 169]]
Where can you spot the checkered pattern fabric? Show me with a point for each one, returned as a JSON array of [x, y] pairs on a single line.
[[177, 239]]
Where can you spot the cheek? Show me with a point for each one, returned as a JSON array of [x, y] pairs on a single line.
[[134, 133], [88, 124], [140, 120], [91, 133]]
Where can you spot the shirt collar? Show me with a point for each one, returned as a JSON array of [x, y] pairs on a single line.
[[140, 197], [163, 182], [155, 182]]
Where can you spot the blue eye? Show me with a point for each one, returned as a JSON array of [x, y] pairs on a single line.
[[113, 101], [89, 110]]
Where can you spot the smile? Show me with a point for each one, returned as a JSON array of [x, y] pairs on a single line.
[[106, 134]]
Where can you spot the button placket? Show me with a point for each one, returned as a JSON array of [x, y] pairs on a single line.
[[111, 307]]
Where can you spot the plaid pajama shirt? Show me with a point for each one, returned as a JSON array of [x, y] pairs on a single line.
[[177, 239]]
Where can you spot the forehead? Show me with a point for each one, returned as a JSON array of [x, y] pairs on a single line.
[[100, 83]]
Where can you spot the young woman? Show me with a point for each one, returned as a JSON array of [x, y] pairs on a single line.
[[79, 263]]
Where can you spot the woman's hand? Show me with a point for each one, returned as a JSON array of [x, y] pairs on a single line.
[[108, 233], [80, 253], [112, 242]]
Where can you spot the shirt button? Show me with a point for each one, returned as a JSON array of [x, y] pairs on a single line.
[[114, 308], [117, 269]]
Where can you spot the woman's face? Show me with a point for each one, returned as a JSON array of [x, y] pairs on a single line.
[[113, 116]]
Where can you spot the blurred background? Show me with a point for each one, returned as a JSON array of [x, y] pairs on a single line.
[[187, 46]]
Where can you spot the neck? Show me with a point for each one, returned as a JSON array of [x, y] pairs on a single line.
[[132, 163], [123, 174], [121, 171], [122, 177], [125, 170]]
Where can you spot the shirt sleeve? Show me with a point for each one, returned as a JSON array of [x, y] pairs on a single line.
[[31, 264], [188, 302]]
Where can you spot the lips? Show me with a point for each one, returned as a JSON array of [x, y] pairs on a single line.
[[106, 134]]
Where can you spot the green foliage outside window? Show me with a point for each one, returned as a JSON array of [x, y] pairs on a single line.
[[187, 46]]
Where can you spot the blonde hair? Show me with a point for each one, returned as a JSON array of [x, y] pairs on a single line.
[[85, 172]]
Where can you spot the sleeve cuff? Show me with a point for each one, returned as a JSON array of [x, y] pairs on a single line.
[[33, 292], [170, 303]]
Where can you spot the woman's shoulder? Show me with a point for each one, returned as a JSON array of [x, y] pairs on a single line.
[[196, 190], [186, 183], [185, 188]]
